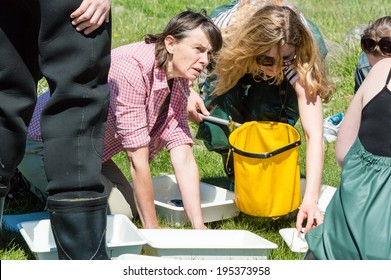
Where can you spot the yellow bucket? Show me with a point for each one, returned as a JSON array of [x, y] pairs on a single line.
[[266, 168]]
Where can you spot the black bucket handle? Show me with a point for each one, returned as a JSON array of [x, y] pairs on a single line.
[[266, 155]]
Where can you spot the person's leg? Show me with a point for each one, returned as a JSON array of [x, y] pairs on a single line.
[[120, 192], [73, 120], [32, 169], [73, 125], [19, 73]]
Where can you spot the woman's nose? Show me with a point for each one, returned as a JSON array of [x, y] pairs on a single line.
[[204, 58]]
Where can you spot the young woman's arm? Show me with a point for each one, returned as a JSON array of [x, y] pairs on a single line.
[[311, 117], [348, 130]]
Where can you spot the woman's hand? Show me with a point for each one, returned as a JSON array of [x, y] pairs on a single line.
[[310, 212], [195, 102]]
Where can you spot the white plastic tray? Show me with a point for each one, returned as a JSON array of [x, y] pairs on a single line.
[[122, 237], [295, 241], [216, 203], [206, 244]]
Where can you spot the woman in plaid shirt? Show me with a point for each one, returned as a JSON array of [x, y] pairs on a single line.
[[149, 83], [149, 88]]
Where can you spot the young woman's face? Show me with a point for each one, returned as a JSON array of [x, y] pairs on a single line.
[[267, 63], [189, 56]]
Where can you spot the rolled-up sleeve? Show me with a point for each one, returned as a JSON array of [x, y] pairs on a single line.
[[180, 136]]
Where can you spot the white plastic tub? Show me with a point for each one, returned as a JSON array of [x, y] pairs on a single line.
[[122, 237], [216, 203], [295, 241], [325, 195], [191, 244]]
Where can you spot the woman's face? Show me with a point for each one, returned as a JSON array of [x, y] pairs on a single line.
[[189, 56], [267, 62]]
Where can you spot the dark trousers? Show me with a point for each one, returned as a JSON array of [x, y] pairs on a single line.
[[37, 39]]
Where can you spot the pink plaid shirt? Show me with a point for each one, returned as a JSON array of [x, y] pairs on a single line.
[[136, 117], [138, 91]]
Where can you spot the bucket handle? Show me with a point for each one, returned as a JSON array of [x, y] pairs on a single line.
[[231, 124], [266, 155]]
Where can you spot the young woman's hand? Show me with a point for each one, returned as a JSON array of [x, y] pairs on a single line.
[[309, 212]]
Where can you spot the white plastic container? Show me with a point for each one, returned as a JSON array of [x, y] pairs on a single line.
[[216, 203], [325, 195], [122, 237], [191, 244], [295, 241]]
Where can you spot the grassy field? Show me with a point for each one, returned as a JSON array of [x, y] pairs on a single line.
[[335, 19]]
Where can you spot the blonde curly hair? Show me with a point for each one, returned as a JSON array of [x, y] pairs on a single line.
[[271, 25]]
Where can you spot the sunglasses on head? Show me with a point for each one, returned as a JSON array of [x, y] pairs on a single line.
[[270, 61], [368, 45]]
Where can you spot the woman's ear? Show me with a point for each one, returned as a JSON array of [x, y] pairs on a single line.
[[170, 42]]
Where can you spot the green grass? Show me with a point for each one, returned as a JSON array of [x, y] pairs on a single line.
[[132, 19]]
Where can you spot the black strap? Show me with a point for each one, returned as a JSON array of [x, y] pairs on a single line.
[[283, 97], [388, 78], [267, 155]]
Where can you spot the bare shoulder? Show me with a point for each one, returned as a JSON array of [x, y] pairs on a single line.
[[380, 70], [384, 61]]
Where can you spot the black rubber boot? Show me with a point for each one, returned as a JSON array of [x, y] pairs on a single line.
[[79, 228]]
